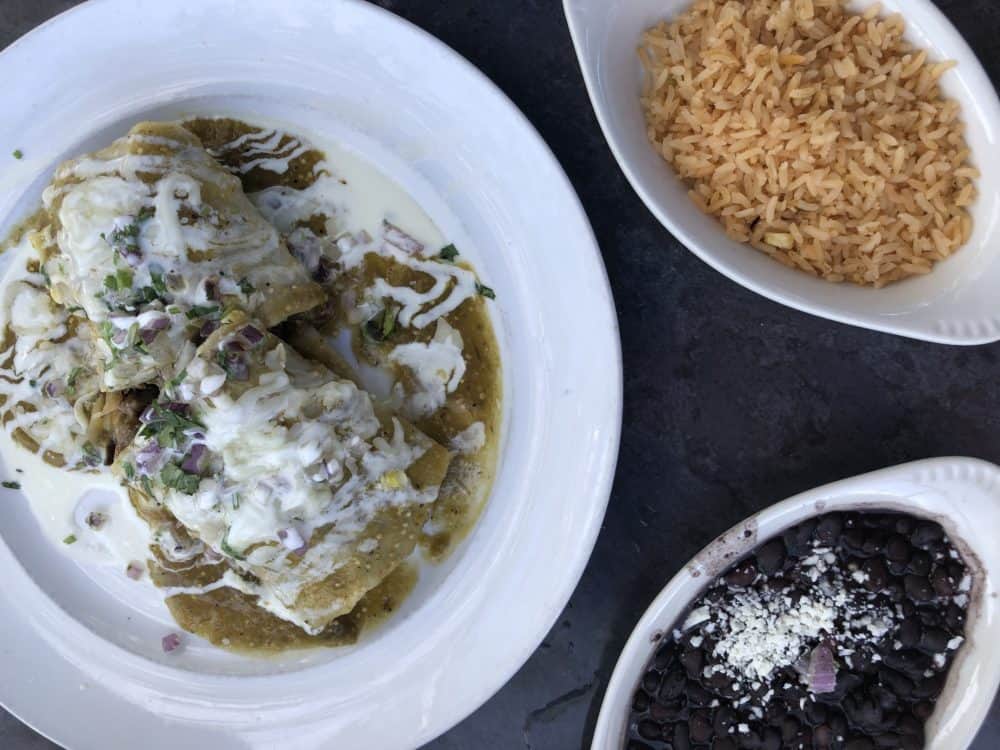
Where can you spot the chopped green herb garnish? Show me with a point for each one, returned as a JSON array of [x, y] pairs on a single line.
[[33, 383], [71, 380], [201, 311], [18, 153], [91, 456], [236, 501], [175, 477], [246, 287], [389, 320], [147, 486], [146, 212], [119, 281], [448, 253], [159, 285], [169, 427], [129, 470], [11, 485], [485, 291], [71, 539]]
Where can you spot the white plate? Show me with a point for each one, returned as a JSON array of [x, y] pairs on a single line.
[[955, 304], [962, 494], [81, 662]]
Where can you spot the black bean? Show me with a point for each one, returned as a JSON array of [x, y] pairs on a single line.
[[910, 725], [693, 659], [673, 684], [700, 726], [800, 536], [920, 564], [665, 656], [877, 575], [918, 588], [854, 540], [897, 568], [636, 745], [828, 529], [908, 661], [789, 728], [899, 684], [925, 533], [725, 717], [771, 557], [886, 700], [742, 575], [874, 543], [904, 525], [860, 743], [922, 711], [954, 617], [823, 735], [929, 687], [935, 640], [889, 739], [723, 743], [909, 632], [898, 548], [942, 582], [772, 739], [640, 702], [697, 695], [651, 681], [750, 740], [816, 713], [649, 730], [663, 712], [682, 737]]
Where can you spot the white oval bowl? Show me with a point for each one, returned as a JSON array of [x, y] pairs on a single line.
[[962, 494], [954, 304], [347, 71]]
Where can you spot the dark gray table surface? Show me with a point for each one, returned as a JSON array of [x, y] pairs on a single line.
[[732, 402]]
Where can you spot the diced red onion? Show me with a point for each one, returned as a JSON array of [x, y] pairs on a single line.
[[821, 674], [134, 570], [292, 540], [208, 328], [178, 408], [119, 337], [251, 334], [148, 457], [171, 642], [96, 520], [150, 331], [54, 388], [194, 461], [148, 415], [132, 255], [397, 237], [235, 345]]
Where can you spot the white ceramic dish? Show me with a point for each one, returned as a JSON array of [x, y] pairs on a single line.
[[80, 658], [962, 494], [956, 304]]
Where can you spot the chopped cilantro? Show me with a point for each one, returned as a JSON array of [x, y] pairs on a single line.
[[129, 470], [147, 486], [18, 153], [448, 253], [236, 501], [11, 485], [246, 287], [71, 380], [156, 275], [71, 539], [91, 456], [485, 291], [168, 426], [175, 477], [201, 311], [146, 212], [382, 325], [33, 383]]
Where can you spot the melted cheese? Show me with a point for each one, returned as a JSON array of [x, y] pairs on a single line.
[[436, 367]]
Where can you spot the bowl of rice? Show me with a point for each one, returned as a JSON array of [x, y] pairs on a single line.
[[830, 155]]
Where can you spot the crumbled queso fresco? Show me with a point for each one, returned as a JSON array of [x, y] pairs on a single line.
[[838, 634]]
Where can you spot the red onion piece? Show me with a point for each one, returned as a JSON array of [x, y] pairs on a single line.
[[96, 520], [400, 239], [194, 461], [148, 415], [54, 388], [134, 570], [178, 408], [148, 457], [150, 331], [252, 335], [170, 642], [821, 674], [208, 328], [292, 540], [235, 345]]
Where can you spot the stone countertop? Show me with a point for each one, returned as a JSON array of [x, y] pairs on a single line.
[[732, 402]]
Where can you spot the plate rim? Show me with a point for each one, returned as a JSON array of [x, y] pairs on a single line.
[[612, 433]]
